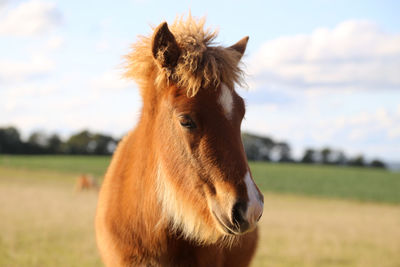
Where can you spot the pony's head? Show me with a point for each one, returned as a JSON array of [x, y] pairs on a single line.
[[204, 183]]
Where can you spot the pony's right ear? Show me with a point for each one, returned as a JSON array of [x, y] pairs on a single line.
[[240, 46], [164, 47]]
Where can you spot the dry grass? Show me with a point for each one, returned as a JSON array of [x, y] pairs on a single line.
[[302, 231], [45, 223]]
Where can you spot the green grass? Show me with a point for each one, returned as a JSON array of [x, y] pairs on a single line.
[[95, 165], [363, 184]]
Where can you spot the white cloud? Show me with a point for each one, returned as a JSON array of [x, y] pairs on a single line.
[[353, 131], [111, 80], [103, 46], [29, 18], [54, 42], [29, 90], [355, 54], [17, 71], [3, 3], [67, 105], [65, 111]]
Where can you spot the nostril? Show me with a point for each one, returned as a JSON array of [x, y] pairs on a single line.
[[238, 213], [259, 217]]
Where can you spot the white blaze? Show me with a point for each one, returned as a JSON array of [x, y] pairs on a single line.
[[255, 205], [226, 101]]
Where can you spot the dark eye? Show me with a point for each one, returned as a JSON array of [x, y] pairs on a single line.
[[187, 122]]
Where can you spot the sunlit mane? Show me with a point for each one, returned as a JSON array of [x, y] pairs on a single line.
[[201, 64]]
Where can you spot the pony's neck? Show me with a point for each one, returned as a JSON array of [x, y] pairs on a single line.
[[139, 158]]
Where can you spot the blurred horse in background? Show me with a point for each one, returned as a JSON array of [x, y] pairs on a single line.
[[179, 191], [86, 182]]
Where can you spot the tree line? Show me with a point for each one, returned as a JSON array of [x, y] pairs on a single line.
[[81, 143], [262, 148], [257, 148]]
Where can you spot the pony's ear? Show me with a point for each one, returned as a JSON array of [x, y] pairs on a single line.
[[164, 47], [240, 46]]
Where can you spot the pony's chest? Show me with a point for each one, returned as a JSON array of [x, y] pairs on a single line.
[[185, 253]]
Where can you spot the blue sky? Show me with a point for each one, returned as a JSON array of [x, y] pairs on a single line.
[[320, 73]]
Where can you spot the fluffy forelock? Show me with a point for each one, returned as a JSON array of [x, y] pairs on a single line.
[[201, 63]]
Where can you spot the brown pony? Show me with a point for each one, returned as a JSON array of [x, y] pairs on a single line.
[[86, 182], [179, 191]]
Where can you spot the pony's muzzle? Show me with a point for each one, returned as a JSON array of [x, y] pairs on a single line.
[[246, 215], [242, 219], [238, 214], [239, 217]]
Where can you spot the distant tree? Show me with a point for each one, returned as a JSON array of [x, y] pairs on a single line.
[[10, 141], [326, 154], [266, 148], [340, 158], [308, 156], [79, 143], [250, 146], [88, 143], [103, 144], [376, 163], [55, 144], [257, 147], [261, 148], [357, 161], [36, 144], [38, 138], [283, 151]]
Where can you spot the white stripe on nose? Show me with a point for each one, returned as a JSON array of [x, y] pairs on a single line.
[[255, 205]]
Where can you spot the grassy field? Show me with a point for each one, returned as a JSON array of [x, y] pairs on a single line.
[[304, 231], [95, 165], [44, 222], [362, 184]]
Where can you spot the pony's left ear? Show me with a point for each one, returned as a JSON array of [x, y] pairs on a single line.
[[240, 46], [164, 47]]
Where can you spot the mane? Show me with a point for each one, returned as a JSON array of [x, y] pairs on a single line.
[[201, 64]]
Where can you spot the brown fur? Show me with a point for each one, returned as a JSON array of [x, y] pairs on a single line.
[[157, 200]]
